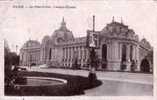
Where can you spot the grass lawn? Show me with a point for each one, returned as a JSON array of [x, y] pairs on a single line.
[[75, 86]]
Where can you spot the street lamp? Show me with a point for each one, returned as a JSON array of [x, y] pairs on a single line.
[[92, 44]]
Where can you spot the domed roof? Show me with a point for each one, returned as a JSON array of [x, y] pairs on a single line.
[[62, 33], [115, 27], [45, 39], [145, 43], [118, 30], [31, 44]]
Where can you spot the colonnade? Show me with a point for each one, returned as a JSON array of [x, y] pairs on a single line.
[[114, 55], [70, 54]]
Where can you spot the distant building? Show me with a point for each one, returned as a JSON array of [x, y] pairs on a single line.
[[120, 49], [30, 53]]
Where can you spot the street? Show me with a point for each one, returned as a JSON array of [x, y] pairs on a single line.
[[114, 83]]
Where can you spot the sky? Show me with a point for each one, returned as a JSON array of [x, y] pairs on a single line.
[[17, 25]]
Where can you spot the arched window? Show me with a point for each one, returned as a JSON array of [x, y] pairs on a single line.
[[63, 53], [131, 52], [123, 53], [104, 56], [59, 40], [104, 52], [145, 66]]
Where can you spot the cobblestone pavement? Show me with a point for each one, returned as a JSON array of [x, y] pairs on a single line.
[[114, 83]]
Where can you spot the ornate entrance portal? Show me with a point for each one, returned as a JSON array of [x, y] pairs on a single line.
[[123, 59], [104, 56], [145, 67]]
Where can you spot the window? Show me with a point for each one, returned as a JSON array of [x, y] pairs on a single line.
[[131, 52], [104, 52], [50, 54]]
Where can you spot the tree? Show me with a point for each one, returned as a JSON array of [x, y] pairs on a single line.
[[7, 66], [11, 58]]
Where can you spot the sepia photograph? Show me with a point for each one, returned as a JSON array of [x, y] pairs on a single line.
[[60, 48]]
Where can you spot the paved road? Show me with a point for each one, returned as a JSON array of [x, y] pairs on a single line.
[[118, 88], [114, 83]]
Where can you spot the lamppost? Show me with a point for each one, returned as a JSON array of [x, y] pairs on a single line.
[[30, 58], [17, 59], [92, 44]]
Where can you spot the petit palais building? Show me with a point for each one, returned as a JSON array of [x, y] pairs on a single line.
[[119, 50]]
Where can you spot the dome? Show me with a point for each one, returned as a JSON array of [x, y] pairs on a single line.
[[115, 27], [145, 43], [62, 34], [118, 30], [31, 44], [45, 39]]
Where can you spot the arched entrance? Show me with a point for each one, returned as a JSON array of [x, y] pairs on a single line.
[[104, 56], [145, 66], [123, 58]]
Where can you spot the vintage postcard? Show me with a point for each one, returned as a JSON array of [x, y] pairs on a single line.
[[78, 49]]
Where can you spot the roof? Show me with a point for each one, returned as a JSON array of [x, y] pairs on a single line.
[[31, 44], [63, 32], [118, 30]]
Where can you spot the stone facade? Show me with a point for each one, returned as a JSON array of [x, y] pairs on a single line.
[[120, 49], [30, 53]]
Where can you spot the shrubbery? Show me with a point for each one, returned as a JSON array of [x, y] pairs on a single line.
[[12, 76]]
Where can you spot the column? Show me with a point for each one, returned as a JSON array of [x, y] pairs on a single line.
[[70, 56], [115, 64], [83, 56], [63, 53], [44, 56], [109, 52], [133, 52], [63, 56], [137, 58], [116, 53], [78, 50], [72, 53], [67, 56]]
